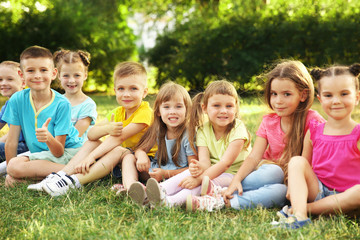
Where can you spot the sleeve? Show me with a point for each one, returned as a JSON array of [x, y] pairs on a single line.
[[313, 116], [11, 114], [187, 147], [261, 132], [239, 132], [201, 138], [89, 110], [313, 125], [2, 112], [62, 121], [143, 115]]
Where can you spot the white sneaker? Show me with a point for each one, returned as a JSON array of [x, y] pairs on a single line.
[[60, 187], [206, 202], [155, 193], [209, 188], [3, 168], [39, 186]]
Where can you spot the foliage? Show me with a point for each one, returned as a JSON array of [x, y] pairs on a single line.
[[240, 38], [96, 26]]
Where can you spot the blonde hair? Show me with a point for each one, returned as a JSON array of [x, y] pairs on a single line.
[[11, 64], [35, 52], [222, 87], [126, 69], [66, 56], [296, 72], [157, 130]]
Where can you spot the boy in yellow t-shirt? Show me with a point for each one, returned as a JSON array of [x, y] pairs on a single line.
[[125, 125]]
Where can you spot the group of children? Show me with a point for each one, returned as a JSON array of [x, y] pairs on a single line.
[[194, 152]]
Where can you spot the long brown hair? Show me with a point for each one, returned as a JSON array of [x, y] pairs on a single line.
[[196, 120], [66, 56], [157, 130], [296, 72]]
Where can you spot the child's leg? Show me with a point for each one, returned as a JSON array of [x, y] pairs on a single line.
[[22, 167], [344, 202], [80, 156], [266, 174], [171, 185], [129, 171], [303, 186], [267, 196], [104, 165]]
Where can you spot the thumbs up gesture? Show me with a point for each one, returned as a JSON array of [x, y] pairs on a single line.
[[43, 133], [116, 127]]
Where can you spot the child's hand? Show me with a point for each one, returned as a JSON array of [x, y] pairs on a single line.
[[190, 182], [84, 166], [116, 127], [228, 193], [42, 134], [158, 174], [195, 169], [143, 164]]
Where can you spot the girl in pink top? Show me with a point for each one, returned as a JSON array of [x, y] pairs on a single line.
[[327, 173], [289, 91]]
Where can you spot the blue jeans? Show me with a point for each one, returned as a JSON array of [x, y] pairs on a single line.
[[263, 187], [21, 148]]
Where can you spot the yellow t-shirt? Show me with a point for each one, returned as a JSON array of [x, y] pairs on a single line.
[[205, 137], [143, 114]]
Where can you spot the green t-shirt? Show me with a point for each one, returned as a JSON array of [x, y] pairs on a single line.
[[205, 137]]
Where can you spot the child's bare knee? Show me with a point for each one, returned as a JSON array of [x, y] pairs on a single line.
[[14, 170], [296, 162]]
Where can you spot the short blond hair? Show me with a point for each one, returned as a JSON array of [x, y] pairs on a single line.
[[11, 64], [126, 69]]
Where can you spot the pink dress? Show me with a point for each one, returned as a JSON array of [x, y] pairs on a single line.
[[270, 129], [336, 158]]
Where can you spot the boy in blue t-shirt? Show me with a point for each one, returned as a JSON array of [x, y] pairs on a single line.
[[44, 117], [10, 83]]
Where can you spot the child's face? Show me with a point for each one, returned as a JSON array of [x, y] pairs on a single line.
[[338, 96], [285, 97], [173, 112], [38, 73], [130, 91], [72, 77], [221, 110], [10, 81]]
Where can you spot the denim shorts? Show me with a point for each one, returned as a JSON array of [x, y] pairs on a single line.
[[324, 191]]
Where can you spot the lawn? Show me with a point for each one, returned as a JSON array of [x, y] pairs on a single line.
[[95, 212]]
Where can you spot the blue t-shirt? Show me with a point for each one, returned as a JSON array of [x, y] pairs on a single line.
[[21, 112], [85, 109], [21, 137], [185, 151]]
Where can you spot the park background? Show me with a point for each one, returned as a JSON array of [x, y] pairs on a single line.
[[191, 42]]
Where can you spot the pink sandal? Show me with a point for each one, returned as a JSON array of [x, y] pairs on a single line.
[[119, 189]]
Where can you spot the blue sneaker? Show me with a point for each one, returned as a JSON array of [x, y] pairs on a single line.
[[293, 223]]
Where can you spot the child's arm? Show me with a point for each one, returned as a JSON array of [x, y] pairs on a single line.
[[12, 142], [250, 163], [82, 125], [56, 144], [142, 161], [104, 128], [307, 148], [161, 174], [230, 155], [109, 143]]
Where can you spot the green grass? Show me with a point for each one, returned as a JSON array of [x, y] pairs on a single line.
[[97, 213]]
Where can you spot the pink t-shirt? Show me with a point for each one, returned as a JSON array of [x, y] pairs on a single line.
[[270, 129], [335, 159]]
